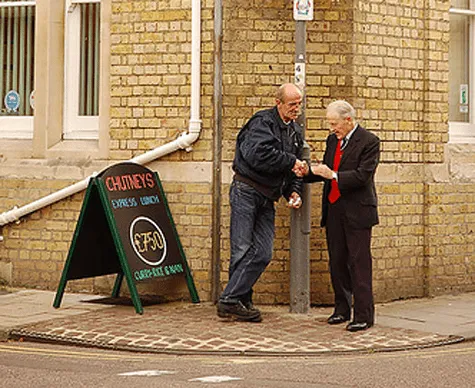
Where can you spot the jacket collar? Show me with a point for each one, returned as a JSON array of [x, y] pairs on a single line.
[[353, 142], [282, 125]]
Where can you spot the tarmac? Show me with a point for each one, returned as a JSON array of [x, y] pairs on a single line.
[[187, 328]]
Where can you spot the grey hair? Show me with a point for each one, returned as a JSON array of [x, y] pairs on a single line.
[[342, 108]]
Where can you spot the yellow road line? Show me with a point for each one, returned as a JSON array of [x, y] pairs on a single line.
[[321, 359], [411, 353], [69, 353]]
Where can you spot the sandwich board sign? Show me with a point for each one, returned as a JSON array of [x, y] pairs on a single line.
[[126, 228]]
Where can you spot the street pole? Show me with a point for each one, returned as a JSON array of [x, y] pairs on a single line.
[[300, 218]]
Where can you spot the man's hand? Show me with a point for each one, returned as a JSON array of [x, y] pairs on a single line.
[[300, 168], [323, 170], [295, 201]]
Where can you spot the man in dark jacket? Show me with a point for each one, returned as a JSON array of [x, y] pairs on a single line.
[[349, 211], [267, 159]]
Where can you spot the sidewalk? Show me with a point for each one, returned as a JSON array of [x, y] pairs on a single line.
[[186, 328]]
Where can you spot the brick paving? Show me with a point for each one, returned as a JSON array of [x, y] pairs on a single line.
[[185, 328]]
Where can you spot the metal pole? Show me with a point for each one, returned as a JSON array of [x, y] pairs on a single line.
[[217, 147], [300, 218]]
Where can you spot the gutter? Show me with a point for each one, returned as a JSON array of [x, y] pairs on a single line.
[[184, 141]]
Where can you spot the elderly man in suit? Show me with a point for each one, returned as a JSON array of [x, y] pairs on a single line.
[[349, 211]]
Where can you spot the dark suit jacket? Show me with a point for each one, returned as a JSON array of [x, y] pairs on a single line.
[[355, 178]]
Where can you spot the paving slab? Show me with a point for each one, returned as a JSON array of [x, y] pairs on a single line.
[[447, 314], [186, 328], [24, 307]]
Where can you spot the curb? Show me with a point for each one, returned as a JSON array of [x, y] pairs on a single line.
[[22, 335], [5, 335]]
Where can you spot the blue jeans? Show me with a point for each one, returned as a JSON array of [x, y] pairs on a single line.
[[252, 240]]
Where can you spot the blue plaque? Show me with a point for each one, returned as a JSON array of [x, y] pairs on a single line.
[[12, 101]]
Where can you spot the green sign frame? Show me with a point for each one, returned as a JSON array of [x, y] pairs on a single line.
[[124, 213]]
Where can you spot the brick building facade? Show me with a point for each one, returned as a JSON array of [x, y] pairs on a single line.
[[389, 58]]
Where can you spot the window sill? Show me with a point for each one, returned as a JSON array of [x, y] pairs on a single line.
[[16, 148], [461, 133], [74, 149], [460, 139]]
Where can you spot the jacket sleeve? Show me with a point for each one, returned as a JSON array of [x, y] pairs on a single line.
[[363, 173], [260, 147], [311, 177], [295, 184]]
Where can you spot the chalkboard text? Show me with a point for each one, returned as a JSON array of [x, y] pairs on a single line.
[[124, 202], [130, 182], [158, 272], [149, 200]]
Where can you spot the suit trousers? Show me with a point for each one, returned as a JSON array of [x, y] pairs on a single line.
[[350, 265]]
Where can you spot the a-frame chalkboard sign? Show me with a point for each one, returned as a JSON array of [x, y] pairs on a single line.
[[125, 227]]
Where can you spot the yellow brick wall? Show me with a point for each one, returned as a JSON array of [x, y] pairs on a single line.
[[38, 246], [400, 76], [150, 76], [388, 58], [398, 241], [258, 51], [450, 246]]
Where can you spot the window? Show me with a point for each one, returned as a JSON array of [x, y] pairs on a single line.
[[17, 40], [82, 53], [461, 72]]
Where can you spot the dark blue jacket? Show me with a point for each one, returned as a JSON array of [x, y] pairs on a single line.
[[266, 151]]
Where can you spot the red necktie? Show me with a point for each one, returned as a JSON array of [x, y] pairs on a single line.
[[335, 191]]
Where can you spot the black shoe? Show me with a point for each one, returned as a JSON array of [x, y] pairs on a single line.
[[358, 326], [251, 307], [238, 312], [336, 319]]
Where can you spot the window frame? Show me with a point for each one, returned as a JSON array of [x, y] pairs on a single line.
[[75, 127], [48, 123], [464, 132], [19, 127]]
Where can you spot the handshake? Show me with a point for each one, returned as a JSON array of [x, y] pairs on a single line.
[[300, 168]]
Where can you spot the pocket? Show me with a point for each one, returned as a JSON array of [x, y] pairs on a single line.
[[242, 186], [242, 191]]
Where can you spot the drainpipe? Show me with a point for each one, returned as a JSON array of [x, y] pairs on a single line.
[[184, 141]]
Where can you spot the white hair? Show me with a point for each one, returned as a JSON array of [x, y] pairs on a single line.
[[342, 108]]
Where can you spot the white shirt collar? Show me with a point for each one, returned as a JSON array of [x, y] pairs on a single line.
[[351, 132]]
